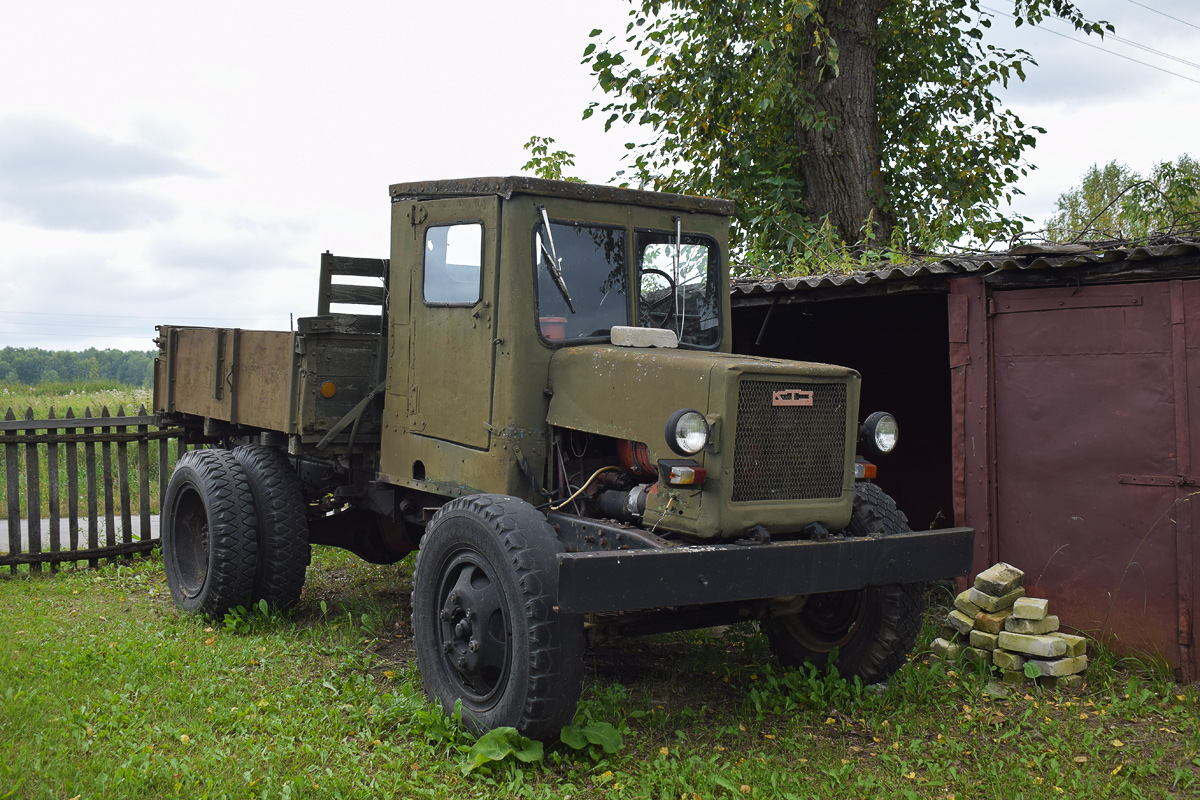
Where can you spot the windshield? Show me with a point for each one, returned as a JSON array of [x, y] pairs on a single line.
[[678, 283], [593, 293]]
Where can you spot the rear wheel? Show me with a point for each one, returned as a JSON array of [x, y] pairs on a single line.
[[283, 548], [872, 630], [209, 541], [487, 629]]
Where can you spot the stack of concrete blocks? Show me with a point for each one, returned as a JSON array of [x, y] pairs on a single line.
[[994, 623]]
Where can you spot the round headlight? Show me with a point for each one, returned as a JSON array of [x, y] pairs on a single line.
[[880, 432], [687, 432]]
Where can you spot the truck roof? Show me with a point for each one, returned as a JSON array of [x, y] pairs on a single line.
[[520, 184]]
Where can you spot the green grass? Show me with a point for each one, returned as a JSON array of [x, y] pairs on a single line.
[[96, 397], [107, 691]]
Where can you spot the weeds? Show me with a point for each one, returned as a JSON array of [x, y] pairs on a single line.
[[106, 690]]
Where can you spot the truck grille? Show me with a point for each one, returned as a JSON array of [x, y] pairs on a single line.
[[789, 452]]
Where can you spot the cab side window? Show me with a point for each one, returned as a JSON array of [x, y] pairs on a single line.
[[453, 264]]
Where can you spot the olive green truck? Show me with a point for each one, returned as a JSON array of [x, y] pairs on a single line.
[[537, 394]]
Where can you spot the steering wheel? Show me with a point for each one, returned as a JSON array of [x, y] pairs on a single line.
[[661, 311]]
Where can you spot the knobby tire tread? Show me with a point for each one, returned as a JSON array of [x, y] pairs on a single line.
[[555, 641], [284, 552], [219, 479], [900, 607]]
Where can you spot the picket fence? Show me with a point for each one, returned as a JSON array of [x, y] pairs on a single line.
[[82, 488]]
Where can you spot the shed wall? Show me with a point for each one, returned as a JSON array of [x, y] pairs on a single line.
[[1051, 411]]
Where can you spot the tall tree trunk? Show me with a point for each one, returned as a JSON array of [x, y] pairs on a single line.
[[840, 162]]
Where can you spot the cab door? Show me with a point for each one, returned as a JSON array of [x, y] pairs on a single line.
[[452, 251]]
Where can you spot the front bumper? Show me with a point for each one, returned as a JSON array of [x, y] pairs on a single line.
[[625, 580]]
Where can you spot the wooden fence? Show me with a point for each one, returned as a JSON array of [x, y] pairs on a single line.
[[62, 477]]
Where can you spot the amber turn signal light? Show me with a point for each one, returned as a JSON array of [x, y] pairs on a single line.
[[864, 470], [681, 472]]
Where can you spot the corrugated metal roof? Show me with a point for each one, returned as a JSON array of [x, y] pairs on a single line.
[[1024, 257]]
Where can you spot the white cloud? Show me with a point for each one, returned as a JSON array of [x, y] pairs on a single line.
[[55, 174]]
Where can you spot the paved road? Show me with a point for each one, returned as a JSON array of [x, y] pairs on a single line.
[[65, 534]]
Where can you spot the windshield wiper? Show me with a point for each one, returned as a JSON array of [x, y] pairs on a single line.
[[552, 257]]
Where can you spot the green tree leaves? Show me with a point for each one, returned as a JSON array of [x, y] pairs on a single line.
[[737, 98], [1115, 202], [548, 164]]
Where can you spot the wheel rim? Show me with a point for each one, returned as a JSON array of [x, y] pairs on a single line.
[[828, 620], [189, 527], [473, 626]]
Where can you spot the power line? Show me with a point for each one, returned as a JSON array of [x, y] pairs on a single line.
[[117, 316], [69, 325], [1131, 43], [1164, 14], [1096, 47]]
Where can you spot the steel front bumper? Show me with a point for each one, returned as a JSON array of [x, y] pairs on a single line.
[[624, 580]]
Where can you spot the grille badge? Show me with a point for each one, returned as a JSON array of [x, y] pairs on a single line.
[[792, 397]]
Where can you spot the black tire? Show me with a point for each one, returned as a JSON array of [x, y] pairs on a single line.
[[872, 629], [488, 561], [208, 535], [282, 521]]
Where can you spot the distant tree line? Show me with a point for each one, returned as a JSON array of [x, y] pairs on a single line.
[[33, 365]]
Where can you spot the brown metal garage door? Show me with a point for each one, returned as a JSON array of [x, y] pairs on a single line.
[[1093, 474]]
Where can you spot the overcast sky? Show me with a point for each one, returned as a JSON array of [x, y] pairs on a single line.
[[188, 162]]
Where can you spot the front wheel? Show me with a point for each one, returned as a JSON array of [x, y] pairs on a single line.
[[485, 619], [872, 630]]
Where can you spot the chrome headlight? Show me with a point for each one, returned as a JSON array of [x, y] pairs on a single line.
[[880, 432], [687, 432]]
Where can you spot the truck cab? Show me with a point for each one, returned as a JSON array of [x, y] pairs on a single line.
[[546, 407]]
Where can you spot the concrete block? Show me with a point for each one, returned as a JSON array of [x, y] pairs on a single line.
[[1006, 659], [960, 622], [1034, 627], [1013, 677], [626, 336], [991, 602], [998, 580], [948, 633], [947, 651], [1065, 682], [1041, 646], [975, 655], [984, 640], [1076, 645], [963, 603], [1061, 667], [993, 622], [1031, 608]]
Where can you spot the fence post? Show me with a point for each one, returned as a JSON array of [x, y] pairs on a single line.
[[123, 481], [110, 522], [72, 450], [33, 493], [143, 479], [89, 466], [52, 491], [13, 487]]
